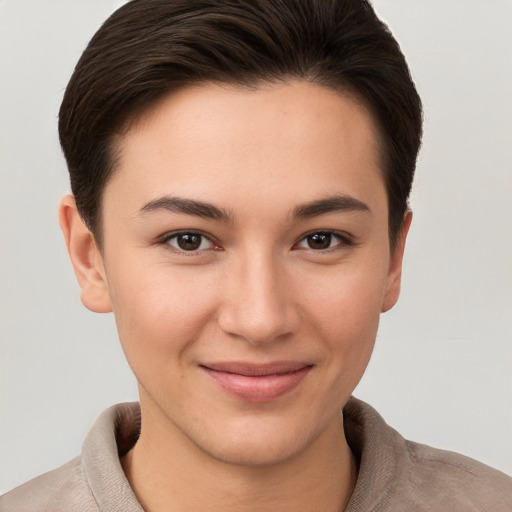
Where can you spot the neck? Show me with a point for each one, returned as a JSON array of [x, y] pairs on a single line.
[[170, 472]]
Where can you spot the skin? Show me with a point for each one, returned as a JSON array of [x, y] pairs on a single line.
[[259, 288]]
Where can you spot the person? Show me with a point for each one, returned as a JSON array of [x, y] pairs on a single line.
[[240, 174]]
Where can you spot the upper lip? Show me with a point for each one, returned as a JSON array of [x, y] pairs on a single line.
[[257, 370]]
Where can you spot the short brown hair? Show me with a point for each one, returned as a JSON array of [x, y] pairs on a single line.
[[149, 48]]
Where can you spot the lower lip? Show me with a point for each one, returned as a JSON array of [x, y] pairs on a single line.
[[263, 388]]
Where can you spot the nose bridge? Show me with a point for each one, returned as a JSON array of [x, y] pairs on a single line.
[[258, 305]]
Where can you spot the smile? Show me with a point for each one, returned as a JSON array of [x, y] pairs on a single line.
[[257, 383]]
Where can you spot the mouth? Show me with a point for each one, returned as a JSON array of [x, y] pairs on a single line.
[[257, 382]]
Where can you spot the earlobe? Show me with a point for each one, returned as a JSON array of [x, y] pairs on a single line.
[[85, 257], [394, 278]]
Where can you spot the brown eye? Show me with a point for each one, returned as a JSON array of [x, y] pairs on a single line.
[[319, 240], [189, 242], [323, 240]]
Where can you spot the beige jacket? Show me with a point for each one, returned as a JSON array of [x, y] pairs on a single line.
[[395, 475]]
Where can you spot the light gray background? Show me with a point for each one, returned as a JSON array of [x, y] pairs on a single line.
[[441, 373]]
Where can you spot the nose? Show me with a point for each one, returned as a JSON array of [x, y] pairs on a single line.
[[258, 304]]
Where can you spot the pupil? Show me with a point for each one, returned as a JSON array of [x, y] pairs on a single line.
[[189, 241], [319, 241]]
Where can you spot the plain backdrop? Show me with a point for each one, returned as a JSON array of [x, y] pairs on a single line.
[[441, 372]]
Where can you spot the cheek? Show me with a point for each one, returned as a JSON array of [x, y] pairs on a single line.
[[346, 316], [349, 326], [158, 311], [347, 299]]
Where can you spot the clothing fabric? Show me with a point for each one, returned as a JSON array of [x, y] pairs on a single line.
[[395, 475]]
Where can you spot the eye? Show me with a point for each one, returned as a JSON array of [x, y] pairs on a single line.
[[323, 240], [189, 241]]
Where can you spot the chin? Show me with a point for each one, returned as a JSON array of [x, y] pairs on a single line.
[[257, 443], [256, 452]]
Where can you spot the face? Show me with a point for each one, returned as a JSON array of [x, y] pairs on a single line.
[[246, 259]]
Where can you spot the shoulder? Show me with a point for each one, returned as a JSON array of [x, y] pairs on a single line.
[[442, 478], [399, 475], [64, 488], [92, 482]]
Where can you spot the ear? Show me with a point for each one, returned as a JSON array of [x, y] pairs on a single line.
[[85, 257], [394, 279]]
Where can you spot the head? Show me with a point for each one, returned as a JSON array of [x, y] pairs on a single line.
[[241, 172], [150, 48]]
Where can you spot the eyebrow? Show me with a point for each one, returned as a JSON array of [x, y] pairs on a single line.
[[188, 207], [332, 204]]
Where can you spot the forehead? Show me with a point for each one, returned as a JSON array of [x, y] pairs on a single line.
[[297, 138]]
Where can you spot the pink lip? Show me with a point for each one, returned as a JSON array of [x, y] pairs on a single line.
[[257, 383]]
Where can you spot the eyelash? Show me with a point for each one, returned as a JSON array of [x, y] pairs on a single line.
[[165, 240], [344, 240]]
